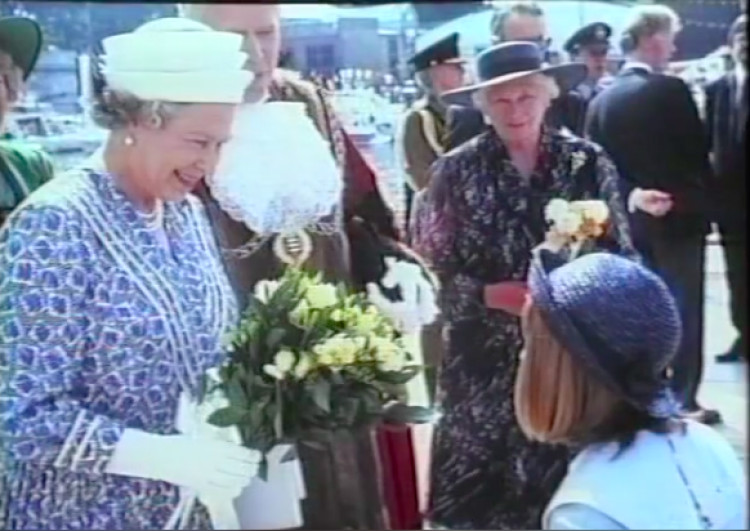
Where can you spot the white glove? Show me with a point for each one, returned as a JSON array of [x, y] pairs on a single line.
[[197, 463], [417, 307]]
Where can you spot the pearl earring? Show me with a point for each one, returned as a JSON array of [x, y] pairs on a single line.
[[129, 140]]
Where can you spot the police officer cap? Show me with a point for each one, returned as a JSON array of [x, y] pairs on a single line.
[[592, 34], [441, 52]]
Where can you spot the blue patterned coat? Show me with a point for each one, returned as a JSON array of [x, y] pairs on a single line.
[[102, 325]]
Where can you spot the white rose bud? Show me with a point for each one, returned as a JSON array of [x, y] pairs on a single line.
[[273, 371], [321, 296], [570, 223], [555, 210], [284, 361]]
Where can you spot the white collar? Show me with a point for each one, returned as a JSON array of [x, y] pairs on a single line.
[[740, 74], [631, 64]]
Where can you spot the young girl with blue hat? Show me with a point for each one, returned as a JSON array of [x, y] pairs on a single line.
[[600, 332]]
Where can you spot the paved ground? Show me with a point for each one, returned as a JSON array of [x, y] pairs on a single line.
[[724, 387]]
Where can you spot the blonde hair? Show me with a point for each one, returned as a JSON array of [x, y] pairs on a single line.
[[646, 21], [558, 400]]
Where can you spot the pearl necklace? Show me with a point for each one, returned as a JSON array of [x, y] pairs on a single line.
[[155, 218]]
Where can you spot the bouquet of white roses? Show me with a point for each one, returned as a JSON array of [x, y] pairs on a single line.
[[575, 224], [309, 355]]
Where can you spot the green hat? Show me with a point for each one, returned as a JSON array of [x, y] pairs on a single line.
[[21, 38]]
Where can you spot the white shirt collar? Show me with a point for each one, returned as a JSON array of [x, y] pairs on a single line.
[[741, 74], [631, 64]]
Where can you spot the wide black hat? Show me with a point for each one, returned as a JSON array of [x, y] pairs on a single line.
[[595, 34], [513, 60], [21, 38], [441, 52]]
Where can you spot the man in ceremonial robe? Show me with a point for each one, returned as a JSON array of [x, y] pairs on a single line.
[[337, 496]]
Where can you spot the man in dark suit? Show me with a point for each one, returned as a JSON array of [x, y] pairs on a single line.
[[726, 121], [650, 126], [522, 21]]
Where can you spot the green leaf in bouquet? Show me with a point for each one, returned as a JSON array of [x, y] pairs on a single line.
[[321, 394], [401, 377], [399, 413], [235, 392], [263, 469], [225, 417], [274, 338]]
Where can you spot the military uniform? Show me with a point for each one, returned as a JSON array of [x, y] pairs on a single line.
[[422, 139], [423, 133], [23, 169], [595, 37]]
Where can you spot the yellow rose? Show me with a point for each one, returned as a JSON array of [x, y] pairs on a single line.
[[367, 321], [300, 313], [570, 223], [595, 210], [321, 296], [389, 355]]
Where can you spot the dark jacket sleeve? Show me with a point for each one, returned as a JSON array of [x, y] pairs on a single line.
[[689, 136], [464, 123]]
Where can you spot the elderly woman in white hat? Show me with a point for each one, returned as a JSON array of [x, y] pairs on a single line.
[[114, 302], [483, 213]]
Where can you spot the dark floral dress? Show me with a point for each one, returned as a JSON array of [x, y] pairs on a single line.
[[478, 226]]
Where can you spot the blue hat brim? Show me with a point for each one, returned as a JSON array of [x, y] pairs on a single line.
[[662, 404]]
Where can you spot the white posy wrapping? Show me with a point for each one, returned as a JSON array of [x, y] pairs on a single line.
[[417, 306], [275, 502], [277, 174], [192, 420]]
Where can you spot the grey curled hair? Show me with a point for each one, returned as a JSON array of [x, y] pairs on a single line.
[[114, 109]]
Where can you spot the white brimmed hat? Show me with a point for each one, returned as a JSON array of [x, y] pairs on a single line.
[[177, 60]]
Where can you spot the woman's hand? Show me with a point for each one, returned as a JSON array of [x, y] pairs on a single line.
[[653, 202], [507, 296], [198, 463]]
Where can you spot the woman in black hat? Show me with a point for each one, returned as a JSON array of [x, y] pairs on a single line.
[[23, 168], [483, 214], [599, 334]]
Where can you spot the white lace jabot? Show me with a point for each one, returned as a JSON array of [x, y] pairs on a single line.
[[277, 174]]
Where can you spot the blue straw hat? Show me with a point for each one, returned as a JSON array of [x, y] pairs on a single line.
[[617, 318]]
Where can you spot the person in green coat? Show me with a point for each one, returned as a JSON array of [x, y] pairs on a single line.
[[23, 167]]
